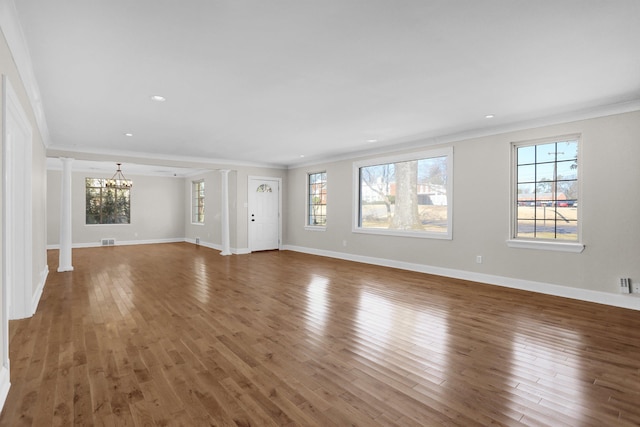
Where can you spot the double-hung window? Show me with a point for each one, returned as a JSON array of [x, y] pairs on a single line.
[[197, 202], [316, 199], [546, 194], [405, 195]]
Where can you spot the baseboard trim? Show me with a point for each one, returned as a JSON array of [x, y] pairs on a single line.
[[38, 293], [235, 251], [120, 243], [5, 385], [617, 300]]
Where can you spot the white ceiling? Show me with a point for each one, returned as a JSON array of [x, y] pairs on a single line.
[[271, 81]]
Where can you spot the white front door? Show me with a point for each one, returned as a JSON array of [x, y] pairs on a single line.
[[264, 214]]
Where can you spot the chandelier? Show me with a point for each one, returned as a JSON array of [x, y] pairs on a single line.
[[118, 180]]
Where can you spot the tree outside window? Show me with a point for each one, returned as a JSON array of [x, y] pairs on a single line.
[[409, 195], [106, 205], [317, 199], [197, 205]]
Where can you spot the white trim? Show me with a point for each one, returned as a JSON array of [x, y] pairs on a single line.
[[17, 224], [5, 385], [575, 248], [551, 245], [12, 30], [235, 251], [315, 227], [404, 157], [121, 243], [308, 226], [193, 199], [224, 213], [38, 293], [629, 301]]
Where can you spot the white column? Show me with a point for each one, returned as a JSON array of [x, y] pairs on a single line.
[[64, 263], [226, 244]]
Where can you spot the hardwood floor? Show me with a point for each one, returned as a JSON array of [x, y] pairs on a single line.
[[175, 334]]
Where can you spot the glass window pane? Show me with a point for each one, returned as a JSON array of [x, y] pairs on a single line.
[[526, 192], [407, 195], [106, 205], [526, 155], [526, 212], [546, 205], [546, 152], [527, 173], [567, 170], [545, 172], [317, 199], [567, 150]]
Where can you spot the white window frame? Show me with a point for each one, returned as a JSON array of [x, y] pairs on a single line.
[[426, 154], [193, 202], [308, 226], [543, 244]]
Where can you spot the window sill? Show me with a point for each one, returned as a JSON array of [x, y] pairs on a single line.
[[315, 228], [575, 248], [404, 233], [197, 223]]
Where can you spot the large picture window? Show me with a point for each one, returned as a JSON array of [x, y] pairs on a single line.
[[107, 205], [317, 199], [197, 202], [546, 190], [407, 195]]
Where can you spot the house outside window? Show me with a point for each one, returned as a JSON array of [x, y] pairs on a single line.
[[317, 199], [406, 195], [546, 192], [105, 204], [197, 202]]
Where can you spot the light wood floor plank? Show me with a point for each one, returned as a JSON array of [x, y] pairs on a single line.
[[175, 334]]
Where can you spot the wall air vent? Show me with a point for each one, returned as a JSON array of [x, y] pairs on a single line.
[[108, 242]]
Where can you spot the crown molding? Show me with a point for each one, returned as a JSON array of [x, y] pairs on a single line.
[[13, 34]]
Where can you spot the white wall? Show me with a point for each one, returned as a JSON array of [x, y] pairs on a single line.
[[609, 204], [157, 211]]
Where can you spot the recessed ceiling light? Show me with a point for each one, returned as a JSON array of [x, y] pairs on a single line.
[[158, 98], [128, 134], [489, 116], [301, 155], [372, 140]]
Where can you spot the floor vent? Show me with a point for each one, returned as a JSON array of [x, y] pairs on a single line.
[[108, 242]]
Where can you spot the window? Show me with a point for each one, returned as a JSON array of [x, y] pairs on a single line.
[[545, 199], [407, 195], [107, 205], [197, 202], [317, 199]]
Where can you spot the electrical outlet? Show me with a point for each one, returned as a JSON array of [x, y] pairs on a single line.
[[625, 285], [479, 259], [635, 286], [197, 240]]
